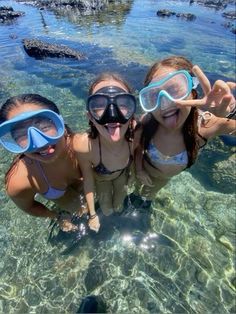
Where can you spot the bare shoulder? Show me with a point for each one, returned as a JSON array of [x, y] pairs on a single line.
[[18, 184], [81, 142]]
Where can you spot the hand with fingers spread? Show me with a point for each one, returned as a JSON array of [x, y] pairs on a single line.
[[217, 99]]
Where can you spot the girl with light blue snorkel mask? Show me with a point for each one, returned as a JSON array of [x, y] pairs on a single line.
[[31, 126], [173, 129]]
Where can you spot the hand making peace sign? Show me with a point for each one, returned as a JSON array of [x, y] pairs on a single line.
[[217, 99]]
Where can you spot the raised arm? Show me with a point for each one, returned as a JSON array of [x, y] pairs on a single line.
[[218, 99], [212, 126]]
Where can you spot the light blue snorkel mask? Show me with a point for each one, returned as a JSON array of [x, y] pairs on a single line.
[[172, 87], [31, 130]]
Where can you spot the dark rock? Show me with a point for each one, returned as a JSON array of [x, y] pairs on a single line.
[[215, 4], [92, 304], [39, 49], [186, 16], [83, 6], [8, 14], [229, 15], [165, 13]]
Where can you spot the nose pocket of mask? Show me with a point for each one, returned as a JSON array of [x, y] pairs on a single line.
[[36, 139]]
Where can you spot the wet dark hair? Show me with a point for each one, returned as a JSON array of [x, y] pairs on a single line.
[[93, 132], [190, 127], [20, 100], [42, 102]]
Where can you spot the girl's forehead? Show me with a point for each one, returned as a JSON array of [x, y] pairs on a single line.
[[17, 110], [163, 71], [107, 83]]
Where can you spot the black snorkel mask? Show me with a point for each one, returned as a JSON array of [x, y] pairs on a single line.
[[111, 104]]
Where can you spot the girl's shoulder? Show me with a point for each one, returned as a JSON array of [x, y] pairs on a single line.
[[81, 142], [17, 180]]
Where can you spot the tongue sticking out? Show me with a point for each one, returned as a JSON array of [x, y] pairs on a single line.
[[114, 132], [49, 150], [171, 121]]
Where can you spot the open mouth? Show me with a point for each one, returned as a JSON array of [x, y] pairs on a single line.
[[114, 130], [170, 113], [46, 151]]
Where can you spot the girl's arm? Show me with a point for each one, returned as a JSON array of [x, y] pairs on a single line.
[[81, 146], [217, 99], [141, 174], [214, 126], [24, 199]]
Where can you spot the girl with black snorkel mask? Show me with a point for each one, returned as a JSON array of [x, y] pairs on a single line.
[[105, 152], [32, 127]]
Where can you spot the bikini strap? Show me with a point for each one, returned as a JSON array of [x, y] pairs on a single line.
[[42, 172]]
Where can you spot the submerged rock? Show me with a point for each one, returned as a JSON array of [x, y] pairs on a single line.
[[81, 5], [167, 13], [229, 15], [39, 49], [215, 4], [8, 14], [186, 16]]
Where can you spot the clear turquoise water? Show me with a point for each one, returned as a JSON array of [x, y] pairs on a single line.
[[177, 259]]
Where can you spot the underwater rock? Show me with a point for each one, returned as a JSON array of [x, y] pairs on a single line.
[[82, 5], [92, 304], [215, 4], [229, 15], [165, 13], [39, 49], [186, 16], [8, 14], [95, 277]]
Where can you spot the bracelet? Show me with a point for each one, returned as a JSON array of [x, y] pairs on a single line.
[[93, 216], [231, 114]]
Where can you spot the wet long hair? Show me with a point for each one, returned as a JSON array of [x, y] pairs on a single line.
[[42, 102], [190, 127], [93, 132]]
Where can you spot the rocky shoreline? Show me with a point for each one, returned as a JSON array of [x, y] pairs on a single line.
[[39, 49]]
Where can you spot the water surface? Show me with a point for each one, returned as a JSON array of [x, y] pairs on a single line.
[[177, 258]]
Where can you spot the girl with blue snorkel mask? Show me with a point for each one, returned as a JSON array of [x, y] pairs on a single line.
[[32, 128], [173, 129], [105, 152]]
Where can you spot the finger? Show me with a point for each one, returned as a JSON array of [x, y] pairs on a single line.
[[231, 85], [226, 104], [221, 87], [190, 103], [203, 80]]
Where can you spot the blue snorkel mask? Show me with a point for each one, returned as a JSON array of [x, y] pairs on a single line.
[[31, 131], [172, 87]]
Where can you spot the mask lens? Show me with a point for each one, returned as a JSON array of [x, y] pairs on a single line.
[[174, 86], [15, 133], [97, 105], [19, 132], [126, 105]]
